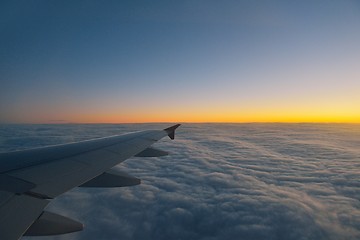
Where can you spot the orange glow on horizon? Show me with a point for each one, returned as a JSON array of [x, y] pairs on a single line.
[[225, 115], [195, 114], [200, 117]]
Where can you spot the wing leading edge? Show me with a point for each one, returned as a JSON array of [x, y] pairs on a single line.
[[30, 179]]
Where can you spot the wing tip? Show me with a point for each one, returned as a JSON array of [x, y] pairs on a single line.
[[171, 131]]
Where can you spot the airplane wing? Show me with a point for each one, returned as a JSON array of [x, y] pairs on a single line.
[[29, 179]]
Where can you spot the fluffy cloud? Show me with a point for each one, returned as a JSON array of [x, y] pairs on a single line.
[[244, 181]]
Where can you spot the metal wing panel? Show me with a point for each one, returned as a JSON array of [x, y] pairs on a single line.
[[27, 158], [57, 169], [17, 213], [55, 177]]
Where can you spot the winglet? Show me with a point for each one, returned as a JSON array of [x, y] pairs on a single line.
[[171, 131]]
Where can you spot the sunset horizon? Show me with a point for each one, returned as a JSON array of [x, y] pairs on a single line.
[[192, 118], [264, 97], [117, 62]]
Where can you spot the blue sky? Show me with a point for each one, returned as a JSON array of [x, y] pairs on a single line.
[[121, 61]]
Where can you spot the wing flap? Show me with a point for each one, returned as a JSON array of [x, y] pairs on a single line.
[[152, 152], [18, 213], [14, 185], [112, 178], [53, 224]]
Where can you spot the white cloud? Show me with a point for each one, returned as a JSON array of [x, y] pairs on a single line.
[[246, 181]]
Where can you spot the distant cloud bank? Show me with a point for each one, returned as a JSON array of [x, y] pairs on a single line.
[[240, 181]]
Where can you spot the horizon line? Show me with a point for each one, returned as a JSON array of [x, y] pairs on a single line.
[[181, 122]]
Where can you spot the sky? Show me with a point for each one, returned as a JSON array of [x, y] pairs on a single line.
[[179, 61]]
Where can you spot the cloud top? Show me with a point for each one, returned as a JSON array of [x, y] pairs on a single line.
[[241, 181]]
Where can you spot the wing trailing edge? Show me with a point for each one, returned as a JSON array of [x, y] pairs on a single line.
[[53, 224], [112, 178], [152, 152]]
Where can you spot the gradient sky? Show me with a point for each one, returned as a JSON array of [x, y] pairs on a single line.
[[179, 61]]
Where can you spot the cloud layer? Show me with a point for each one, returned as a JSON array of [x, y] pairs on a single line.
[[240, 181]]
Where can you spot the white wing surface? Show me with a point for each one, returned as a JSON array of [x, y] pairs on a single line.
[[30, 179]]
